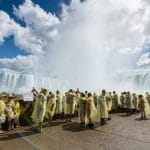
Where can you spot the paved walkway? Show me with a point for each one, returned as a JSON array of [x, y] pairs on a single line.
[[121, 133]]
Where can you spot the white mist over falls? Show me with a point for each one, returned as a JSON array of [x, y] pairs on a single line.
[[93, 45]]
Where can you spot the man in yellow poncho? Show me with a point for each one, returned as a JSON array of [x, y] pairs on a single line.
[[114, 102], [102, 107], [82, 109], [134, 100], [40, 108], [50, 109], [128, 103], [2, 114], [147, 96], [77, 98], [142, 105], [147, 106], [122, 101], [58, 109], [109, 103], [69, 105], [95, 99]]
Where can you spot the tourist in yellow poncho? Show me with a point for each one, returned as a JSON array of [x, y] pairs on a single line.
[[58, 109], [91, 110], [122, 101], [109, 103], [95, 99], [17, 108], [102, 107], [69, 105], [2, 114], [134, 100], [114, 102], [77, 98], [147, 96], [10, 112], [82, 109], [128, 103], [50, 109], [142, 104], [40, 108], [147, 106]]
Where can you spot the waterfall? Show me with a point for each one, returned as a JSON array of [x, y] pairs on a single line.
[[137, 80], [17, 82]]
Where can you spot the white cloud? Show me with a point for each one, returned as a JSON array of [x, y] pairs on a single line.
[[144, 61], [7, 26], [41, 23], [24, 39], [20, 63]]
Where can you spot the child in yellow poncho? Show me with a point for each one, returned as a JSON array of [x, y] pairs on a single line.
[[17, 108]]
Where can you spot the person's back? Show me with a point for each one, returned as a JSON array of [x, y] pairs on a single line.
[[114, 101], [69, 98], [82, 108]]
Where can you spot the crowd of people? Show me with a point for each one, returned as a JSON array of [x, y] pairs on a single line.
[[10, 110], [88, 107]]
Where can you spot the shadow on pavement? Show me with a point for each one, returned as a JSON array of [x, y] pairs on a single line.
[[76, 127], [140, 119], [18, 134]]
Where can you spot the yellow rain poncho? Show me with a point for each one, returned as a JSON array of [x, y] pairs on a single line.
[[17, 109], [2, 112], [39, 108], [2, 107], [102, 107], [128, 101], [91, 110], [58, 109], [134, 101], [69, 104], [109, 101], [82, 110], [114, 101], [122, 101], [51, 105], [146, 106]]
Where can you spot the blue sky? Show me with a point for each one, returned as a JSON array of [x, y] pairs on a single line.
[[8, 49]]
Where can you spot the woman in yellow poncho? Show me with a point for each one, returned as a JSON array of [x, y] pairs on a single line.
[[17, 108], [40, 108], [91, 110], [82, 109], [109, 103], [10, 112], [102, 108], [2, 114], [50, 109]]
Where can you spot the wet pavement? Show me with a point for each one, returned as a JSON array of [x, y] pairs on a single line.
[[121, 133]]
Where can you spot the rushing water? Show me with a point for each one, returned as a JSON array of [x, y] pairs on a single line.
[[18, 82], [138, 80], [11, 81]]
